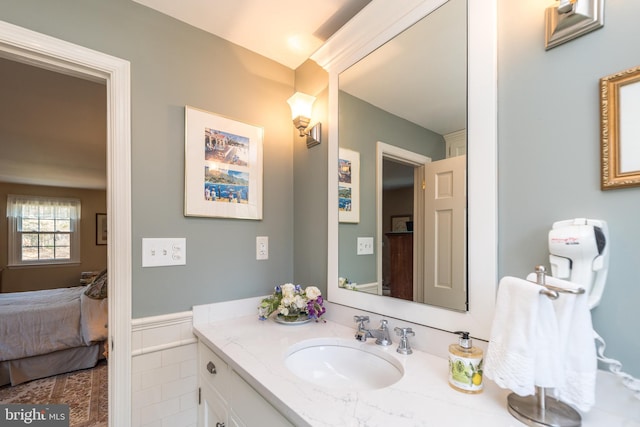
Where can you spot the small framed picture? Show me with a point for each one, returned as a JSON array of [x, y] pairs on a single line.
[[349, 186], [101, 229], [401, 223]]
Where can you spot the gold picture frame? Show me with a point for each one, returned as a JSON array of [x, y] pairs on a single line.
[[619, 131]]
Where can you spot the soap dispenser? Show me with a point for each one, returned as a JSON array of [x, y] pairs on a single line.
[[465, 365]]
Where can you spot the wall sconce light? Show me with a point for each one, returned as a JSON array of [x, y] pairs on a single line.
[[301, 105], [569, 19]]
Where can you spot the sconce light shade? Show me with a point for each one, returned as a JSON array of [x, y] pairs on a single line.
[[301, 106], [570, 19]]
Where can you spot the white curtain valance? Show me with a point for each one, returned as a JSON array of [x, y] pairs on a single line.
[[42, 207]]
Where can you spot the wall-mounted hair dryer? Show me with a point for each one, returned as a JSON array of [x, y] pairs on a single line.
[[579, 253]]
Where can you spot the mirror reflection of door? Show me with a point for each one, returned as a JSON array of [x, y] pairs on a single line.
[[445, 282]]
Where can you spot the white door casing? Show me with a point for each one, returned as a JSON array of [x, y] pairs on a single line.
[[418, 162], [30, 47]]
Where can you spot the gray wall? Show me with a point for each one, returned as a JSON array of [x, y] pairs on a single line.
[[173, 65], [361, 126], [310, 185], [549, 159]]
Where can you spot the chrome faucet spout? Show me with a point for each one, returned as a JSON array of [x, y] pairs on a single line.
[[381, 335]]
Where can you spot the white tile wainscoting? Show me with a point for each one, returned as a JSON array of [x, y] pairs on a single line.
[[164, 384]]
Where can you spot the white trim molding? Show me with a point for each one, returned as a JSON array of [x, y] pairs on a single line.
[[158, 333]]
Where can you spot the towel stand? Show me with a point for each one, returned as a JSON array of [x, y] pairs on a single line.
[[551, 291], [540, 409]]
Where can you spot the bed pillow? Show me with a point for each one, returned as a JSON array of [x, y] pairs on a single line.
[[98, 288], [93, 319]]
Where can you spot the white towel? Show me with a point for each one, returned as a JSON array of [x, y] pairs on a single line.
[[577, 346], [523, 347]]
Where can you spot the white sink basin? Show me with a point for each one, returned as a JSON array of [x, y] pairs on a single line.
[[342, 364]]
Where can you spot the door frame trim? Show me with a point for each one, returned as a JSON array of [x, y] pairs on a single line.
[[417, 161], [26, 46]]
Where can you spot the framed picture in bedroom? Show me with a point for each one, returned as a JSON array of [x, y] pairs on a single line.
[[101, 229], [401, 223], [223, 167]]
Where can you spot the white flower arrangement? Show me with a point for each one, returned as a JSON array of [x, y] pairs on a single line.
[[292, 301], [343, 282]]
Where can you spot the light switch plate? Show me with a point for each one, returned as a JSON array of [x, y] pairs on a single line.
[[365, 245], [158, 252]]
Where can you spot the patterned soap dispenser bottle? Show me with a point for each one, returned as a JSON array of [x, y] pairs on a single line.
[[465, 365]]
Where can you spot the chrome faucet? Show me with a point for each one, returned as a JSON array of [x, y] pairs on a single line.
[[382, 335]]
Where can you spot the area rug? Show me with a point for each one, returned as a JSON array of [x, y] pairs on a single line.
[[84, 391]]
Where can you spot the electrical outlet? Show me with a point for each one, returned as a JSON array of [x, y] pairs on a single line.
[[164, 252], [365, 246], [262, 247]]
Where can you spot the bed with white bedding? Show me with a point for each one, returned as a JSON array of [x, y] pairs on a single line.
[[48, 332]]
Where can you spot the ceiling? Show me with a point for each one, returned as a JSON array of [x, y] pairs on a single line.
[[287, 31], [52, 128]]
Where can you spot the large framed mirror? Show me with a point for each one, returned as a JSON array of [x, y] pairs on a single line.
[[350, 57]]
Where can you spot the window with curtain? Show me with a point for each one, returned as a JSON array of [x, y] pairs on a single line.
[[43, 230]]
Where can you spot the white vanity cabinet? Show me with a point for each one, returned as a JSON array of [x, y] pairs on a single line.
[[226, 400]]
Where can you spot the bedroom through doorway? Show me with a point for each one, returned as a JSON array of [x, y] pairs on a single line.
[[53, 144]]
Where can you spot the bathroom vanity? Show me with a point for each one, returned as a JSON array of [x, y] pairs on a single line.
[[226, 399], [253, 385]]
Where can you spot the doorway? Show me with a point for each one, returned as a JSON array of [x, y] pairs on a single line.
[[22, 45], [400, 221]]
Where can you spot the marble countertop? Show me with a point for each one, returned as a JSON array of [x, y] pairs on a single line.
[[256, 350]]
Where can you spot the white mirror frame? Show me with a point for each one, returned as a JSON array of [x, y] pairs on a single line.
[[373, 26]]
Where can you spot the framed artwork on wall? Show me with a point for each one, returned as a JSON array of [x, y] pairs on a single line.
[[223, 167], [348, 186], [101, 229], [401, 223]]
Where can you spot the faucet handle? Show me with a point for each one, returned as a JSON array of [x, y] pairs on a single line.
[[361, 320], [403, 346], [404, 332], [361, 333]]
